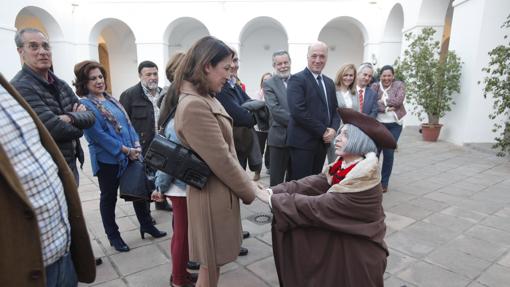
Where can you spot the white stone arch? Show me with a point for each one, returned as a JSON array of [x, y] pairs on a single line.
[[120, 60], [36, 17], [346, 39], [259, 39], [391, 43], [182, 33]]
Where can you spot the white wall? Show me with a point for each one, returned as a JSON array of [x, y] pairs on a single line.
[[475, 30], [476, 24], [256, 53]]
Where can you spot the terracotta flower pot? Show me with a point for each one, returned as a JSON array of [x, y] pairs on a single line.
[[430, 132]]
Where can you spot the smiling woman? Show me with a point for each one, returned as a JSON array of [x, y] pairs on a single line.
[[113, 144]]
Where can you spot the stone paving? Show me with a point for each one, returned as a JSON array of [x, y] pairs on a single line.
[[447, 212]]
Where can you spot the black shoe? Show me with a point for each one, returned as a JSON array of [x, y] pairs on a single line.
[[193, 277], [189, 284], [193, 265], [152, 230], [119, 244], [163, 206], [243, 251], [99, 261], [246, 234]]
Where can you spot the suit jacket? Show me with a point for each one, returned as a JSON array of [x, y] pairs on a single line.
[[21, 261], [369, 102], [141, 113], [275, 94], [309, 117]]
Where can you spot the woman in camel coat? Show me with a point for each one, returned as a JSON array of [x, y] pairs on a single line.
[[202, 124]]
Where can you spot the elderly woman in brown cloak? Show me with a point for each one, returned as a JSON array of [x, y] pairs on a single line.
[[328, 229]]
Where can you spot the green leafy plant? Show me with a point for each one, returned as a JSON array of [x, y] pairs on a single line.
[[497, 85], [430, 79]]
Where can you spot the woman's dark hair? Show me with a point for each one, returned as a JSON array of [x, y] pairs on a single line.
[[81, 71], [172, 65], [207, 50], [387, 67]]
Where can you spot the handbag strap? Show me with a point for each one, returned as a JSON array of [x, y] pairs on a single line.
[[169, 117]]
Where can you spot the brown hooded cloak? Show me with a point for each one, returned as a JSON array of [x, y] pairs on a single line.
[[330, 235]]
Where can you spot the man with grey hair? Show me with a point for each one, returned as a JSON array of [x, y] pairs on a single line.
[[51, 98], [366, 96], [313, 118], [275, 95]]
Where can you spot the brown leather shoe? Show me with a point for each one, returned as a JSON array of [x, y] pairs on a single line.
[[384, 189]]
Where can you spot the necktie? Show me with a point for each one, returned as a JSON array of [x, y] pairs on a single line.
[[361, 100], [321, 91]]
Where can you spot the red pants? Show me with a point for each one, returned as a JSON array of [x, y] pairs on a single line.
[[179, 243]]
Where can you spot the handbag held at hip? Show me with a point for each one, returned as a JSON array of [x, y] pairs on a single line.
[[134, 184], [178, 161]]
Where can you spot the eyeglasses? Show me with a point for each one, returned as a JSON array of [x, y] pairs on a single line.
[[100, 77], [34, 46]]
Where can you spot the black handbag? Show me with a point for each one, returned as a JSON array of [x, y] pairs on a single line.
[[177, 160], [134, 184]]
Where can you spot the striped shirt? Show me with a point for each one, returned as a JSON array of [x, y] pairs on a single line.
[[38, 175]]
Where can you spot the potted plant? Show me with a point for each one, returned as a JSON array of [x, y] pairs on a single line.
[[497, 85], [431, 78]]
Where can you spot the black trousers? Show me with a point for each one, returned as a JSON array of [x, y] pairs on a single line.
[[280, 165], [108, 185], [264, 149], [306, 162]]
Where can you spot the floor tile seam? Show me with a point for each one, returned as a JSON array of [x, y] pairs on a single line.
[[124, 277], [404, 281], [484, 239], [249, 270], [483, 272], [499, 229], [426, 262], [462, 275]]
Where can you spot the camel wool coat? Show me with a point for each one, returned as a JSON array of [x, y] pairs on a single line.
[[214, 227], [21, 261]]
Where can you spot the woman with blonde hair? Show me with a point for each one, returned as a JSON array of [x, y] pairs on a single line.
[[345, 82]]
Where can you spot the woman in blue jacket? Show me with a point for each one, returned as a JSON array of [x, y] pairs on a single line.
[[112, 143]]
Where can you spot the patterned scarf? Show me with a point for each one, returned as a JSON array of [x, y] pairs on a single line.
[[106, 113]]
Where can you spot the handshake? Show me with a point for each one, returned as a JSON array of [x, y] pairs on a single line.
[[262, 193]]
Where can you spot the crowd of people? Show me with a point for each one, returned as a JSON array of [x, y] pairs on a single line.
[[293, 126]]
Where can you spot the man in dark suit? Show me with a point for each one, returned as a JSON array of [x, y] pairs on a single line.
[[275, 95], [366, 96], [313, 117]]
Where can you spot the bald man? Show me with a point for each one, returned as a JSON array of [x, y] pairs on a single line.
[[313, 117]]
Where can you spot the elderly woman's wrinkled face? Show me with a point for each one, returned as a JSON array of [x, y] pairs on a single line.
[[341, 142]]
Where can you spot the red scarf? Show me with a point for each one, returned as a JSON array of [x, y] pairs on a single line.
[[337, 173]]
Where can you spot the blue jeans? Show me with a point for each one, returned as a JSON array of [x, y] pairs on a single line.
[[61, 273], [395, 129]]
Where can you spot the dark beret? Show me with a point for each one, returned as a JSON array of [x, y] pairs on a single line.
[[370, 126]]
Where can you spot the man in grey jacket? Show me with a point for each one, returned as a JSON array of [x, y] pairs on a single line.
[[275, 94]]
